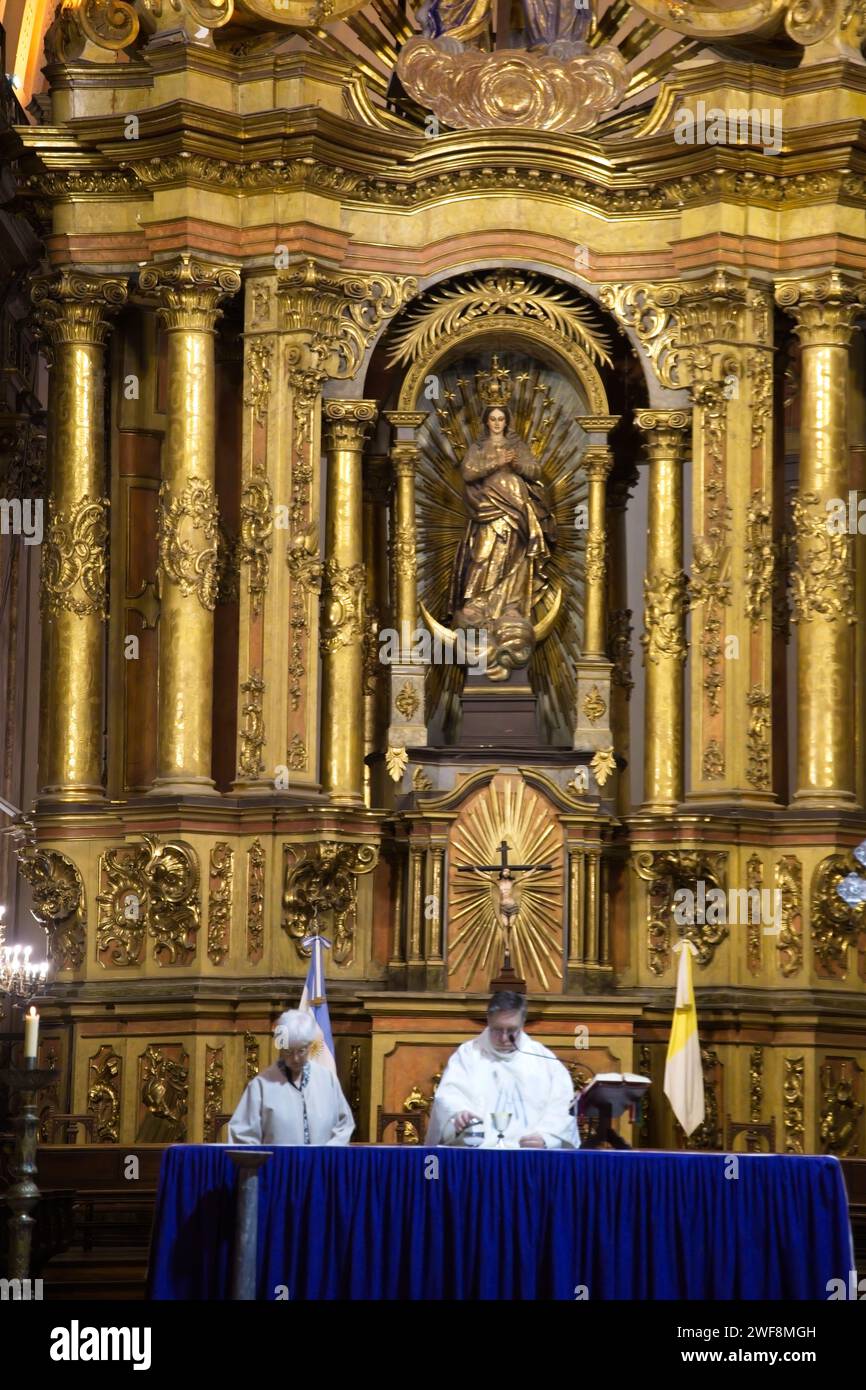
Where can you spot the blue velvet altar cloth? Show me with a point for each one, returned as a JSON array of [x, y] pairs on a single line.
[[369, 1223]]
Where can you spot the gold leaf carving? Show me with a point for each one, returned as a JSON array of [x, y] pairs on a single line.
[[219, 910], [148, 888], [253, 732], [396, 760], [320, 894], [603, 764], [74, 559], [758, 739], [789, 942], [257, 524], [214, 1081], [821, 576], [188, 536], [835, 926], [665, 600], [57, 891], [342, 311], [255, 902], [665, 872], [406, 700], [103, 1093], [794, 1104], [511, 295], [343, 590]]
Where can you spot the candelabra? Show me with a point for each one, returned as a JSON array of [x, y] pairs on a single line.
[[23, 1194], [18, 974]]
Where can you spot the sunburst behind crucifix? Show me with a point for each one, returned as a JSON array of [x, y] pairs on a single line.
[[508, 810]]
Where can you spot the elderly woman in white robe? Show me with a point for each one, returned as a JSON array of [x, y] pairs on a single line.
[[294, 1101]]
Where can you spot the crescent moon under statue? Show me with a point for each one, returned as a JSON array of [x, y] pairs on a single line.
[[540, 630]]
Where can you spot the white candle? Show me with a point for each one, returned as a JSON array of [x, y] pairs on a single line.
[[31, 1032]]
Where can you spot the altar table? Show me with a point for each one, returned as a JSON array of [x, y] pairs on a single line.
[[407, 1222]]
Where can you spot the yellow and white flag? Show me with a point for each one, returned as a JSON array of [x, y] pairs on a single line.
[[684, 1078]]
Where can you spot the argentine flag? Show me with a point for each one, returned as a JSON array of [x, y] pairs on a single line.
[[684, 1077], [313, 1001]]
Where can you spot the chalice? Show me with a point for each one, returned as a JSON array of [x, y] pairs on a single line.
[[501, 1120]]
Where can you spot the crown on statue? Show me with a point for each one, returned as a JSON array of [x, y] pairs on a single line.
[[494, 387]]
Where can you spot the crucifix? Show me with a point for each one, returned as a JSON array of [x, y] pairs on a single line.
[[508, 908]]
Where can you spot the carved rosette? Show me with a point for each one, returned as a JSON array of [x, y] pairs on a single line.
[[148, 889], [320, 893], [822, 575], [103, 1093], [57, 891], [252, 738], [665, 872], [74, 559], [342, 311], [188, 540], [219, 908]]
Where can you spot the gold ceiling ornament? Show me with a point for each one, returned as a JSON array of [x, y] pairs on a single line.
[[184, 559], [544, 407], [512, 811], [74, 559], [104, 1071], [320, 893], [603, 765], [219, 903], [821, 576], [794, 1104], [57, 892], [835, 926], [148, 888], [512, 88], [665, 872], [343, 311], [502, 294], [396, 762], [789, 942]]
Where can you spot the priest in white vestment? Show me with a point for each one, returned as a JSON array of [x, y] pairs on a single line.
[[294, 1101], [504, 1072]]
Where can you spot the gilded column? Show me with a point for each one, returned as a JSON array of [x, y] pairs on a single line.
[[189, 292], [74, 311], [592, 726], [377, 495], [824, 313], [407, 725], [619, 627], [664, 640], [342, 635]]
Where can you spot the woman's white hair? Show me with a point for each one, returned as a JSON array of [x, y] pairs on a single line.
[[294, 1028]]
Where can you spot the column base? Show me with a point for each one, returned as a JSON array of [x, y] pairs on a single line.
[[75, 794], [590, 979], [823, 799], [183, 786]]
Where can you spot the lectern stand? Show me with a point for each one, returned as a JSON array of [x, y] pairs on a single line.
[[607, 1096]]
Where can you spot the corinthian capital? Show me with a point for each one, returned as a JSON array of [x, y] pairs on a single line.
[[75, 307], [189, 291], [341, 312], [824, 308]]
